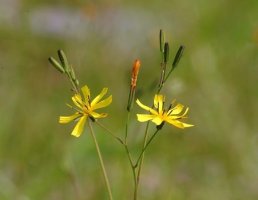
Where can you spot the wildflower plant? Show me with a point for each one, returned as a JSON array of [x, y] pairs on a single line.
[[85, 107]]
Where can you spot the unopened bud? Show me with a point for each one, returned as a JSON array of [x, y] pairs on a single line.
[[134, 76], [135, 71], [56, 64], [77, 82], [72, 74], [166, 52], [178, 56], [63, 59]]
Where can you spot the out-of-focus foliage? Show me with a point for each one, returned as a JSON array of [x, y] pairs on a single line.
[[216, 78]]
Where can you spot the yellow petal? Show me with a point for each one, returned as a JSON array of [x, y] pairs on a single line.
[[155, 102], [176, 110], [178, 124], [97, 115], [103, 103], [97, 98], [77, 100], [67, 119], [158, 102], [186, 111], [161, 100], [144, 117], [157, 120], [86, 92], [187, 125], [179, 116], [79, 127], [152, 111]]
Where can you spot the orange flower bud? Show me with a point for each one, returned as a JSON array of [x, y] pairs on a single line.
[[135, 71]]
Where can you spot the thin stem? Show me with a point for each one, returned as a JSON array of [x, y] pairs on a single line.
[[146, 134], [131, 165], [147, 144], [75, 87], [126, 149], [141, 160], [126, 127], [129, 154], [162, 75], [110, 132], [130, 99], [101, 161], [168, 75]]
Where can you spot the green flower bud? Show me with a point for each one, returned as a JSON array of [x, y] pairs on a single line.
[[56, 64], [63, 60], [72, 74], [166, 52], [178, 56], [77, 82]]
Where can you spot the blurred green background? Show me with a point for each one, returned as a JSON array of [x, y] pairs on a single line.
[[217, 78]]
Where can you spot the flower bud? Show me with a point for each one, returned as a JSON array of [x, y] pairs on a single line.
[[72, 74], [178, 56], [77, 82], [135, 71], [166, 52], [134, 76], [63, 60], [56, 64]]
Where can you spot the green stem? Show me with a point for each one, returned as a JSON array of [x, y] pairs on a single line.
[[126, 127], [110, 132], [75, 87], [101, 161], [141, 161], [168, 75], [145, 141], [131, 165], [147, 144], [163, 74], [129, 154], [126, 149]]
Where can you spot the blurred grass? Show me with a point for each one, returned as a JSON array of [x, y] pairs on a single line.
[[217, 78]]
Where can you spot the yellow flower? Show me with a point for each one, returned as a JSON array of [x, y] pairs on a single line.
[[85, 108], [159, 115]]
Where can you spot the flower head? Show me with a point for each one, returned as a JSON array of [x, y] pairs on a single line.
[[159, 115], [85, 108]]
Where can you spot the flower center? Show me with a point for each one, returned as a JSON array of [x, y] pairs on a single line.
[[86, 110]]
